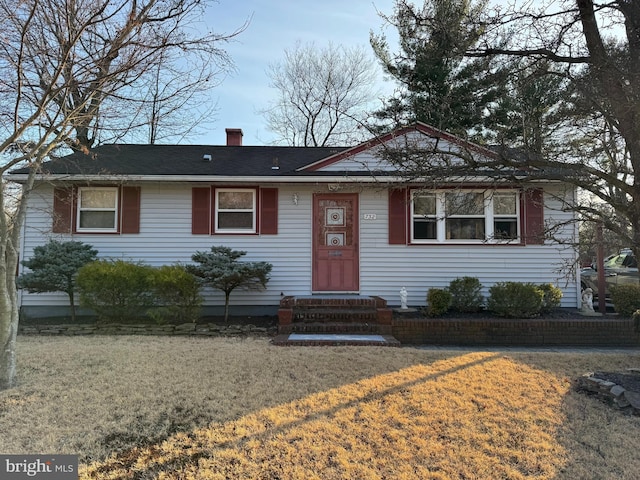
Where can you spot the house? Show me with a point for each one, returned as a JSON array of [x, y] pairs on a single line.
[[330, 220]]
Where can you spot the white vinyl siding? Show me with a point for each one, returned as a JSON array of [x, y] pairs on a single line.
[[165, 238]]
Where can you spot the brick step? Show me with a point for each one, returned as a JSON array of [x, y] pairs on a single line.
[[332, 309], [317, 340], [336, 327], [333, 314], [329, 301]]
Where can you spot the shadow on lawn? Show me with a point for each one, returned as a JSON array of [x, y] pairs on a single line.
[[476, 415]]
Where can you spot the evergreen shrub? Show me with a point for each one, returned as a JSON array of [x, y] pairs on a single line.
[[626, 299], [551, 296], [177, 295], [515, 299], [117, 290], [438, 301], [466, 294], [54, 266]]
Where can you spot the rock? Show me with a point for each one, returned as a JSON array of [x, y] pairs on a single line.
[[621, 402], [617, 390], [633, 398], [186, 327]]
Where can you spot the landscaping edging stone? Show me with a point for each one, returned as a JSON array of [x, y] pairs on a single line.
[[190, 329], [610, 392]]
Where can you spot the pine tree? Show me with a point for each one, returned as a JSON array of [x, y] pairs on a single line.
[[54, 268], [438, 85], [222, 270]]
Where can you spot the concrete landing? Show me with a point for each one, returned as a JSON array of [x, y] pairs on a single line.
[[326, 339]]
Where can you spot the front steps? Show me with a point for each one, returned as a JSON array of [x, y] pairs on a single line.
[[334, 320]]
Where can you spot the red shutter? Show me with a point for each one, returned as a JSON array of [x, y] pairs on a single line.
[[533, 206], [62, 210], [130, 205], [398, 217], [201, 210], [269, 211]]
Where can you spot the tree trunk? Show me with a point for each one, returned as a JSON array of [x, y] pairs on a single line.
[[9, 308], [72, 304], [226, 306], [8, 322]]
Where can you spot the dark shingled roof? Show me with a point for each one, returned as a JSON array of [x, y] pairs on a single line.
[[130, 159]]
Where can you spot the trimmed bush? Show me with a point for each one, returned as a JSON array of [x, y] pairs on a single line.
[[626, 299], [438, 301], [466, 294], [222, 269], [116, 290], [551, 296], [54, 268], [515, 299], [177, 293]]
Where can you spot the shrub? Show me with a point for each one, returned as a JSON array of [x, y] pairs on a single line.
[[438, 301], [626, 299], [222, 269], [177, 293], [116, 290], [515, 299], [551, 296], [54, 268], [466, 294]]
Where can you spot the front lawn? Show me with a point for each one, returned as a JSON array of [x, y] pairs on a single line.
[[176, 407]]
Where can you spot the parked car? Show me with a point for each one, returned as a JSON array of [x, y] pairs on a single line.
[[620, 268]]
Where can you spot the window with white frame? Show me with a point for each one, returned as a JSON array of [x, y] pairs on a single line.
[[425, 217], [235, 210], [505, 215], [97, 209], [464, 216]]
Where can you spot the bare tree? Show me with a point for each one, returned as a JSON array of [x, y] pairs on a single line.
[[322, 95], [66, 67], [594, 48]]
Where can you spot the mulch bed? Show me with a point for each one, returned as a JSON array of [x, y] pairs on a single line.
[[555, 314]]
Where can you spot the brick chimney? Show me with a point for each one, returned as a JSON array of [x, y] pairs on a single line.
[[234, 137]]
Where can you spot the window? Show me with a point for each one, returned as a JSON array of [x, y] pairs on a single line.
[[424, 217], [505, 215], [235, 210], [97, 209], [464, 216]]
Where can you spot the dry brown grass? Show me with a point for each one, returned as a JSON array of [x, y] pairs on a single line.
[[153, 407]]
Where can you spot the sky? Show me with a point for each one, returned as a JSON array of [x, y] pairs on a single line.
[[276, 25]]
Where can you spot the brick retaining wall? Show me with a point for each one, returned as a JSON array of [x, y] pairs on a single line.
[[581, 331]]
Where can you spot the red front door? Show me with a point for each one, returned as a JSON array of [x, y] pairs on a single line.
[[335, 243]]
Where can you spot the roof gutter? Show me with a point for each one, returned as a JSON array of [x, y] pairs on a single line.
[[21, 178]]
